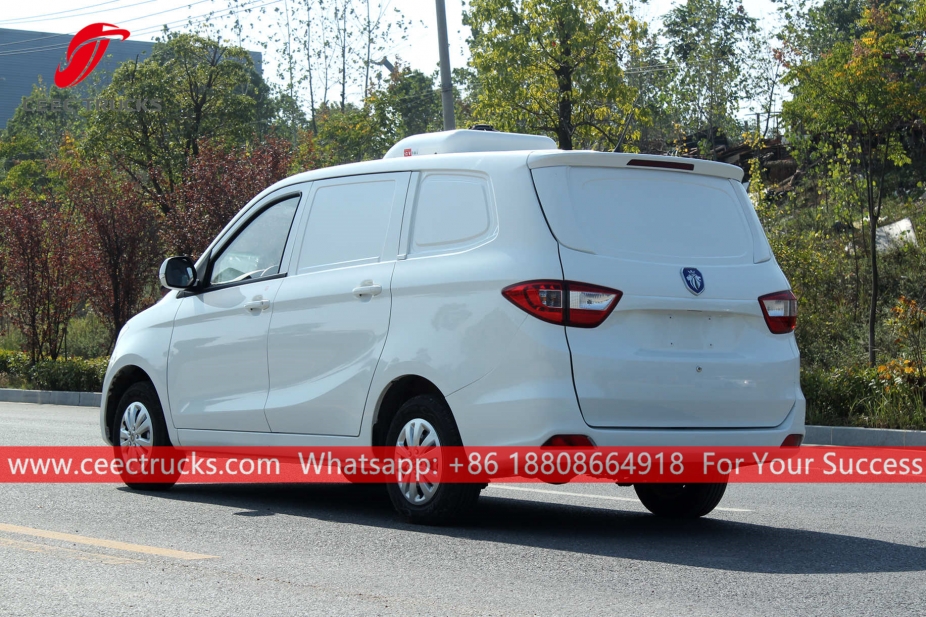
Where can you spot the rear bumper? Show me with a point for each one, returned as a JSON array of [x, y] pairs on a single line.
[[533, 423], [530, 397], [759, 437]]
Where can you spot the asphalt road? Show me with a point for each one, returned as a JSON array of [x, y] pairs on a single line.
[[331, 550]]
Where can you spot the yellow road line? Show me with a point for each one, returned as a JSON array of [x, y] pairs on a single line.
[[114, 544], [32, 547], [587, 495]]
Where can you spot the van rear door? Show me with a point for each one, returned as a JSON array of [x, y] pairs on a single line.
[[687, 345]]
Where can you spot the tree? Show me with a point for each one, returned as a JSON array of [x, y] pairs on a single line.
[[343, 41], [709, 44], [42, 259], [767, 69], [349, 136], [554, 67], [325, 43], [288, 120], [466, 90], [215, 186], [859, 93], [813, 29], [648, 74], [408, 105], [190, 88], [118, 229], [46, 115], [316, 45], [377, 33], [33, 136], [305, 155]]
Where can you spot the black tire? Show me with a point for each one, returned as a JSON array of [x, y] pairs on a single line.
[[680, 500], [449, 502], [143, 392]]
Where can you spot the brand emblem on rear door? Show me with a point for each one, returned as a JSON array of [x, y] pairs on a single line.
[[693, 280]]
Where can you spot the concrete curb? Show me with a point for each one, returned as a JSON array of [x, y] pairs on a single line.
[[46, 397], [856, 436]]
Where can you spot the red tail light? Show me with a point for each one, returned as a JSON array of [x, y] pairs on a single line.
[[780, 311], [585, 306], [542, 299]]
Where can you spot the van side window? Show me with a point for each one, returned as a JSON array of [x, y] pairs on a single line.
[[347, 225], [452, 211], [257, 250]]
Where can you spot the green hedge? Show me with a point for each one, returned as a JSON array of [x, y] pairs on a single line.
[[14, 364], [74, 374], [834, 397], [858, 397]]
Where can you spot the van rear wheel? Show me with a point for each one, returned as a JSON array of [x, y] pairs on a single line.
[[426, 421], [680, 500]]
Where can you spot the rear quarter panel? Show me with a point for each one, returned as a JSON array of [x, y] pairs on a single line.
[[450, 323]]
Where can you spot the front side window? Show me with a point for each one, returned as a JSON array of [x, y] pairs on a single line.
[[257, 250]]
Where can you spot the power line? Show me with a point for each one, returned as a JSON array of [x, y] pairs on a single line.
[[36, 17], [125, 21], [128, 6], [122, 21], [38, 38], [151, 29], [33, 50], [210, 15]]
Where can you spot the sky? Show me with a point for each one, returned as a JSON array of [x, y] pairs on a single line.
[[144, 19]]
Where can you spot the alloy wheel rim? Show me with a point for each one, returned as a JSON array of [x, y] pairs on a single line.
[[136, 428], [422, 436]]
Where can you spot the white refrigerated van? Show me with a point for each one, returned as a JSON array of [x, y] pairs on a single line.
[[474, 288]]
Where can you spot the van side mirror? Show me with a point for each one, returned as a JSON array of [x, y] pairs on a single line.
[[178, 273]]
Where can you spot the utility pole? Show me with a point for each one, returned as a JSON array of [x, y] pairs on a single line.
[[446, 86]]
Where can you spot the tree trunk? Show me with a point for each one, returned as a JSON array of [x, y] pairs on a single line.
[[33, 338], [873, 308], [308, 54], [366, 76], [344, 59], [289, 49], [564, 127], [710, 110], [873, 214]]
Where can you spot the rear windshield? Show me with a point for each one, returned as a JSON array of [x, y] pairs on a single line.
[[644, 214]]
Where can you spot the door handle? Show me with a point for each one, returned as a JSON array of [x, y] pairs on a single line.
[[368, 288], [258, 304]]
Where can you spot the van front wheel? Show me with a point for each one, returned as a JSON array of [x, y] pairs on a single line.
[[140, 426], [680, 500]]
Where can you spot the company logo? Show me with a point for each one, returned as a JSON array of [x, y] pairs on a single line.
[[693, 280], [85, 51], [66, 106]]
